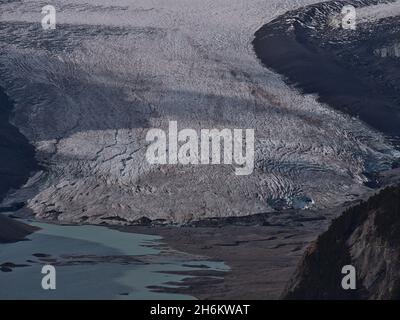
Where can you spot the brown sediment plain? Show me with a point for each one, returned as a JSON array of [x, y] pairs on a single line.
[[261, 258]]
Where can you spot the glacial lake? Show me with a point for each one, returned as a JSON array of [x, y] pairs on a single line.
[[92, 262]]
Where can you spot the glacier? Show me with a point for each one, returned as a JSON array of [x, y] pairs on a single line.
[[87, 92]]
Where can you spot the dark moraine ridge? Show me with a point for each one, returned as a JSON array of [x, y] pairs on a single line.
[[341, 66], [17, 160], [12, 230]]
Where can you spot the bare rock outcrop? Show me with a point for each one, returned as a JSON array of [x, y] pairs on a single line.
[[367, 237]]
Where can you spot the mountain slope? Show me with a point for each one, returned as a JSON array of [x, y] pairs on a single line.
[[367, 237], [87, 92], [17, 159], [13, 230]]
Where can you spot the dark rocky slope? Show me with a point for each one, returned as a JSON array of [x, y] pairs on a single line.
[[17, 159], [366, 236], [12, 230], [17, 162]]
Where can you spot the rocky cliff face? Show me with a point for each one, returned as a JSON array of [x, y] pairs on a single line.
[[367, 237]]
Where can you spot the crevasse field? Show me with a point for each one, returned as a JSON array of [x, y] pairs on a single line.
[[86, 93]]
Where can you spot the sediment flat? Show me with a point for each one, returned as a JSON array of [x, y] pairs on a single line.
[[262, 258]]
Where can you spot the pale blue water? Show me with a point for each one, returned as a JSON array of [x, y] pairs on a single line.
[[103, 280]]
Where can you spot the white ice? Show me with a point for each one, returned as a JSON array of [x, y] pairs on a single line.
[[87, 94]]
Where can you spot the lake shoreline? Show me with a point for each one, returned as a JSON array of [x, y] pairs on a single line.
[[137, 265]]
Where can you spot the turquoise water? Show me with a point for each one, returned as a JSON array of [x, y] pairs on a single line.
[[108, 278]]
